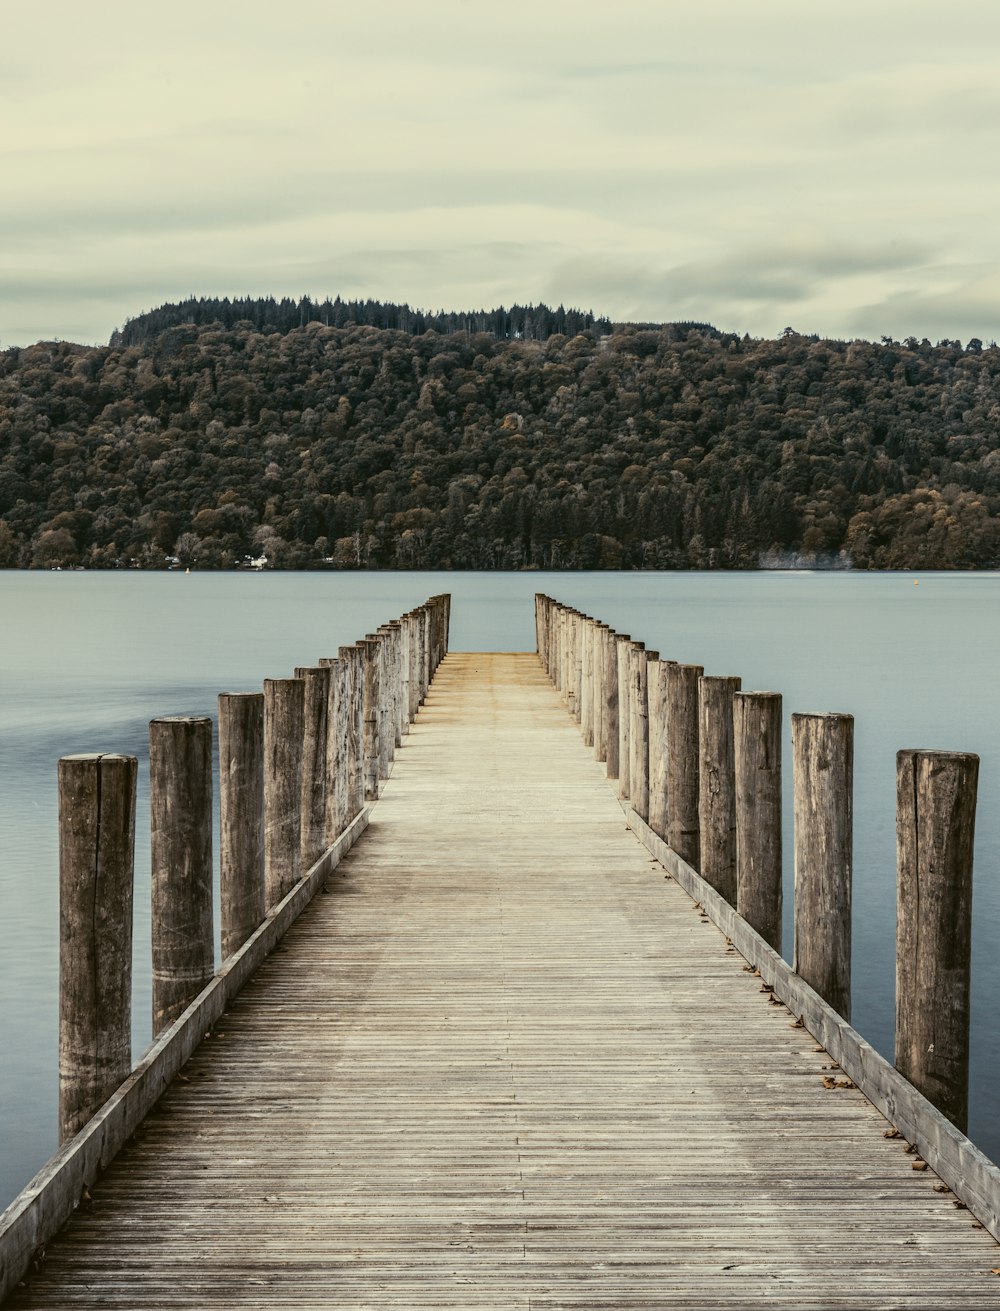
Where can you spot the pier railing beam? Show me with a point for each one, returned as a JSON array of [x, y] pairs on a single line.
[[935, 828], [717, 785], [823, 767], [757, 756], [96, 865], [180, 804], [241, 817]]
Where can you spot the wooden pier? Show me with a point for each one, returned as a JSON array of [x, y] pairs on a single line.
[[507, 1061]]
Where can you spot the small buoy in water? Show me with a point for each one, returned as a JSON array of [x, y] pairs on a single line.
[[187, 571]]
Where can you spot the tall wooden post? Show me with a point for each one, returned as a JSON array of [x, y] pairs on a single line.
[[371, 704], [578, 623], [180, 804], [355, 657], [241, 817], [757, 757], [96, 865], [935, 830], [683, 765], [587, 680], [624, 717], [612, 717], [284, 719], [335, 807], [717, 785], [599, 694], [823, 766], [659, 754], [316, 726], [638, 769]]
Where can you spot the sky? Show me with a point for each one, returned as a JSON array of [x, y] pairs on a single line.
[[756, 165]]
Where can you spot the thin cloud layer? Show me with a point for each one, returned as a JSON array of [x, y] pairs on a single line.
[[752, 166]]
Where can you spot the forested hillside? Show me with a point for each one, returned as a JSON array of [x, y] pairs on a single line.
[[326, 446]]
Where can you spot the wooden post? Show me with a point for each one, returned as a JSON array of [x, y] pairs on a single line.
[[96, 865], [587, 680], [371, 718], [180, 806], [578, 622], [757, 758], [656, 700], [935, 829], [683, 766], [315, 712], [241, 817], [823, 767], [599, 693], [612, 715], [624, 717], [717, 785], [382, 712], [335, 802], [284, 718], [638, 768], [356, 730]]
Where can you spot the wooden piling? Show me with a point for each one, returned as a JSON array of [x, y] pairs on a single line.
[[612, 728], [717, 785], [315, 718], [624, 716], [638, 769], [757, 758], [935, 829], [180, 805], [354, 704], [659, 751], [587, 681], [284, 722], [683, 764], [370, 656], [241, 817], [96, 864], [823, 767], [599, 692]]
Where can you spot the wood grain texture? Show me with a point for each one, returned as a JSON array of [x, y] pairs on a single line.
[[241, 817], [935, 830], [284, 727], [180, 808], [717, 785], [683, 768], [823, 767], [96, 867], [507, 1064], [757, 761]]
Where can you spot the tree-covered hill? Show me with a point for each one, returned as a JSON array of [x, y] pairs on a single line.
[[267, 315], [322, 446]]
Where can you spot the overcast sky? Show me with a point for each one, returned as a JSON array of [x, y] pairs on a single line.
[[751, 163]]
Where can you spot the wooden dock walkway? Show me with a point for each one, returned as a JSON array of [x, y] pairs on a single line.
[[506, 1063]]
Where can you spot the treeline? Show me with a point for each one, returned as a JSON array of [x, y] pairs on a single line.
[[673, 447], [267, 315]]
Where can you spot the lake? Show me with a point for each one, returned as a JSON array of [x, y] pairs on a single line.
[[88, 659]]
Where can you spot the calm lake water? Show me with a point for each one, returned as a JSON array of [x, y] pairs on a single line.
[[87, 659]]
